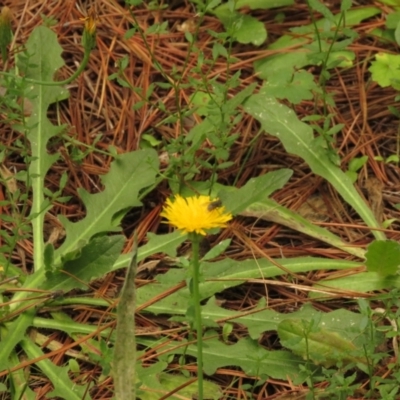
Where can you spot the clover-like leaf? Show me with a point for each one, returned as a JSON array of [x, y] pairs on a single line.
[[386, 70]]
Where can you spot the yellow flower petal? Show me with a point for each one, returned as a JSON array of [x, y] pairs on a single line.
[[90, 22], [193, 214]]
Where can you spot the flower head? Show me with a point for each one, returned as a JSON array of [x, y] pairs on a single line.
[[194, 214], [5, 31], [89, 30], [90, 24]]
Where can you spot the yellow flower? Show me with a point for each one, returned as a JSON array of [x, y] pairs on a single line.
[[90, 25], [6, 16], [194, 214], [90, 22], [89, 30]]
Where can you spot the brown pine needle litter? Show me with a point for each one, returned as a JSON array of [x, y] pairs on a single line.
[[101, 111]]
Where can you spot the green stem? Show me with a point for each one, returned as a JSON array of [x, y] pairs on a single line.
[[197, 310], [84, 62]]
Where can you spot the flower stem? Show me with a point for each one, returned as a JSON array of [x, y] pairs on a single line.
[[197, 310], [86, 57]]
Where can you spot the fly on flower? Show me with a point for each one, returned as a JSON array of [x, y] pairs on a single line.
[[192, 214], [214, 204]]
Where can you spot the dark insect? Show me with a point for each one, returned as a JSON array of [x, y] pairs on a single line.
[[214, 204]]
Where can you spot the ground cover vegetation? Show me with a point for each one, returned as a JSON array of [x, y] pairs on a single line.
[[199, 199]]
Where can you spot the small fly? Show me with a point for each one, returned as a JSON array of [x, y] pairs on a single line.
[[214, 205]]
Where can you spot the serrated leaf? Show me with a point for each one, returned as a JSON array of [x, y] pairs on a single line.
[[268, 320], [94, 261], [383, 257], [167, 244], [155, 383], [270, 210], [222, 275], [154, 386], [19, 381], [256, 189], [218, 249], [322, 346], [44, 62], [298, 138], [362, 282], [129, 174], [12, 334], [64, 388], [246, 354]]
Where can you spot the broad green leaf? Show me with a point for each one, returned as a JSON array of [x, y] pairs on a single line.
[[94, 261], [270, 210], [129, 174], [243, 28], [383, 257], [298, 138], [323, 346], [321, 8], [282, 64], [300, 86], [338, 59], [345, 5], [64, 387], [256, 189], [386, 70], [201, 100], [394, 3], [62, 322], [392, 20]]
